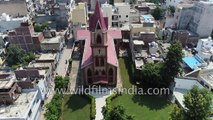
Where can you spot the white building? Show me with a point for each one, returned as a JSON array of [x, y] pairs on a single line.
[[182, 86], [52, 44], [9, 23], [172, 2], [206, 78], [205, 49], [117, 14], [26, 107]]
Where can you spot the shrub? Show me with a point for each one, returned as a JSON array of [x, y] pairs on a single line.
[[109, 100], [92, 109]]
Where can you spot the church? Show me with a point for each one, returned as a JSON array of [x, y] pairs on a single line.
[[99, 46]]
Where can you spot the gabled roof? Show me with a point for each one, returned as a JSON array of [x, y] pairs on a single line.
[[97, 17]]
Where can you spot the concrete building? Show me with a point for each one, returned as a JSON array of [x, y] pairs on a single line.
[[26, 107], [25, 37], [183, 15], [205, 77], [182, 86], [49, 58], [117, 15], [201, 21], [9, 23], [153, 48], [99, 61], [52, 44], [194, 17], [78, 18], [205, 49], [172, 2], [145, 7]]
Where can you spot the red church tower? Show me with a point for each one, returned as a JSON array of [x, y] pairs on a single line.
[[99, 62]]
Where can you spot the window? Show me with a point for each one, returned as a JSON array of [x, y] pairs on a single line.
[[96, 73], [102, 61], [110, 72], [96, 61], [98, 39], [89, 72], [30, 112], [126, 16], [103, 72]]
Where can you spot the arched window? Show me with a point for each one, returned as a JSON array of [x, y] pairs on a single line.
[[96, 73], [103, 72], [102, 61], [89, 76], [98, 39], [111, 72], [96, 61], [89, 72]]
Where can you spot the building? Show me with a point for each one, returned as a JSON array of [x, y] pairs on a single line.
[[202, 14], [194, 17], [26, 107], [99, 62], [49, 58], [117, 15], [25, 37], [172, 2], [35, 79], [205, 49], [14, 8], [9, 23], [78, 18], [205, 77], [8, 90], [145, 7], [182, 86]]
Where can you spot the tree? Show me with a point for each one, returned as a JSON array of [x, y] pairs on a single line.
[[61, 82], [151, 75], [111, 2], [15, 55], [157, 13], [198, 104], [29, 57], [172, 9], [153, 1], [40, 27], [117, 113], [173, 60], [177, 114]]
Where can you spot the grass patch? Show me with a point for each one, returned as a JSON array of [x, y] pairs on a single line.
[[145, 107], [142, 107], [126, 71], [76, 107]]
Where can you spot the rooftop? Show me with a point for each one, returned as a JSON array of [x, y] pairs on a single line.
[[207, 76], [38, 65], [20, 106], [56, 39], [6, 84], [47, 56]]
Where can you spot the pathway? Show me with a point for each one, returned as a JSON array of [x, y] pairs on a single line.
[[74, 75], [100, 102]]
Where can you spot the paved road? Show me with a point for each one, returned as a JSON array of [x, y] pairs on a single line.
[[66, 55]]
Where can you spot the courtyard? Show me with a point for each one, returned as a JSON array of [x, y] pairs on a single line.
[[75, 107], [141, 107]]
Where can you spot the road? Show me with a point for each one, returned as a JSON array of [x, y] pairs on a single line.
[[66, 55]]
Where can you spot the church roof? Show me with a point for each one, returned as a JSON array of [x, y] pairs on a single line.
[[98, 17], [111, 52]]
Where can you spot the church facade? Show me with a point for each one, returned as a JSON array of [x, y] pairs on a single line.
[[99, 62]]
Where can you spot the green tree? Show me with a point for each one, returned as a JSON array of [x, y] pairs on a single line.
[[157, 13], [177, 114], [173, 60], [198, 103], [111, 2], [40, 27], [151, 75], [153, 1], [53, 111], [117, 113], [15, 55], [172, 9], [61, 82], [29, 57]]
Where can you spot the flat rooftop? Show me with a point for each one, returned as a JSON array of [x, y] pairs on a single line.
[[207, 76], [20, 106], [38, 65], [5, 84], [56, 39], [47, 56]]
